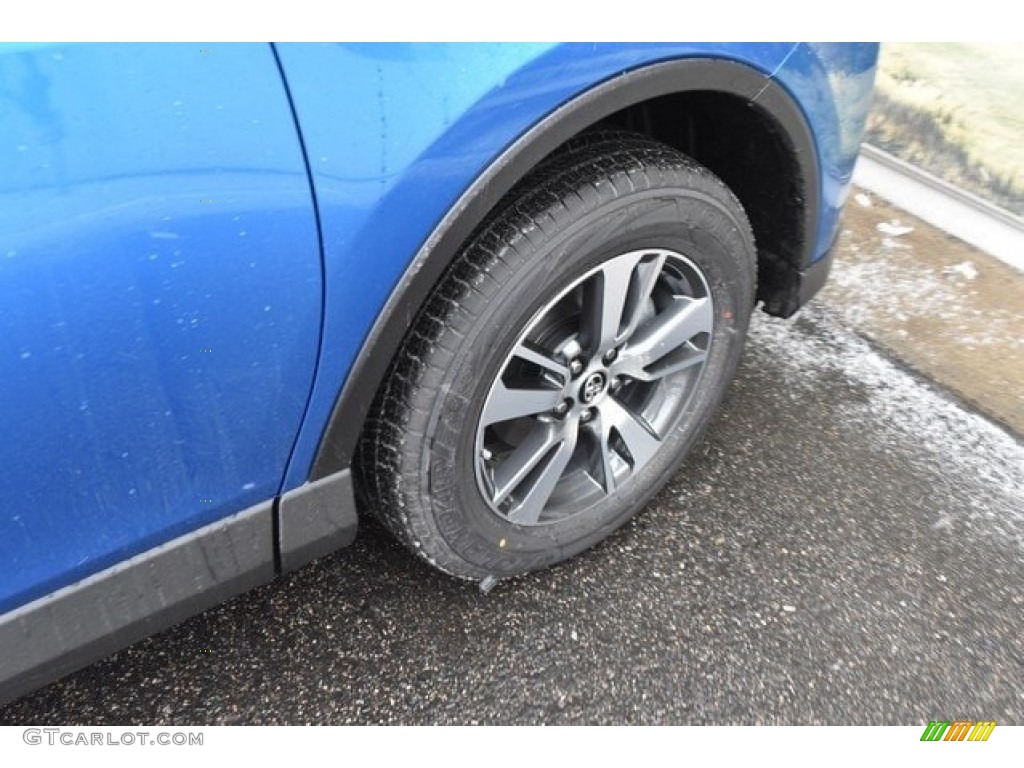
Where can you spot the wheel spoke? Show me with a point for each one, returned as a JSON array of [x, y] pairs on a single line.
[[603, 433], [604, 303], [683, 320], [528, 511], [506, 403], [685, 357], [638, 437], [527, 455], [647, 272], [542, 359]]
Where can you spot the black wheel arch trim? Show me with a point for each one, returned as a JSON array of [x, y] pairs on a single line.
[[338, 443]]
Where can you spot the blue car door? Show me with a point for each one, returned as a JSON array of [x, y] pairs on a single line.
[[160, 299]]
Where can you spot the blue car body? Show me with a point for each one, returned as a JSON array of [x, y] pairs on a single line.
[[200, 245]]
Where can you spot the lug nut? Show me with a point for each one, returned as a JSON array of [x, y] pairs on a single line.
[[562, 408], [576, 366], [587, 415], [570, 349], [610, 355]]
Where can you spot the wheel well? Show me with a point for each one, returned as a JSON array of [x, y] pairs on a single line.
[[746, 149], [730, 117]]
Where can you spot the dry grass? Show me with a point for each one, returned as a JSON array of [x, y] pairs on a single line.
[[957, 110]]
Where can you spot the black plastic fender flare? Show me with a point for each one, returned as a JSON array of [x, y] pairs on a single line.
[[338, 443]]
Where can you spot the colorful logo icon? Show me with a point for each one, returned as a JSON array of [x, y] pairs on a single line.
[[958, 730]]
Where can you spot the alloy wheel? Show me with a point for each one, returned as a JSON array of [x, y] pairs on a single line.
[[595, 382]]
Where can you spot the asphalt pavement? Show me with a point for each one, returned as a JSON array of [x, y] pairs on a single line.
[[846, 546]]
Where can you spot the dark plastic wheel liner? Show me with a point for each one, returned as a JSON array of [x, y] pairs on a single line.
[[342, 434]]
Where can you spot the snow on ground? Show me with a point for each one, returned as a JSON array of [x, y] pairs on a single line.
[[887, 287], [913, 417]]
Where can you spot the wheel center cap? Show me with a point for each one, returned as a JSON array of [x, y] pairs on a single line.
[[593, 387]]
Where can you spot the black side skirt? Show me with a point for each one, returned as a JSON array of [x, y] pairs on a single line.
[[84, 622]]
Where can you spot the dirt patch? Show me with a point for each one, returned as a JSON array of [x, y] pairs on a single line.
[[947, 310]]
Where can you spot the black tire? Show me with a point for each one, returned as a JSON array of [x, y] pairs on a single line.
[[419, 465]]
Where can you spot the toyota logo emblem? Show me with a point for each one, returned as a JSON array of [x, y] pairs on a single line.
[[592, 387]]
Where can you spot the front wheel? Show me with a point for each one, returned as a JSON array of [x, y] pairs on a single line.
[[566, 363]]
